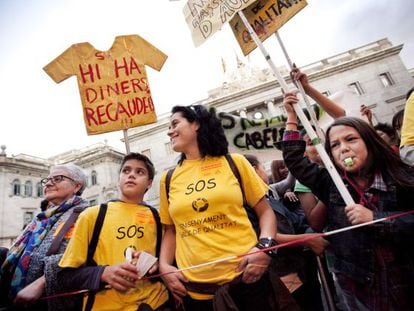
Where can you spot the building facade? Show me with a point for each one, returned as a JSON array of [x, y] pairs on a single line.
[[374, 74], [21, 191]]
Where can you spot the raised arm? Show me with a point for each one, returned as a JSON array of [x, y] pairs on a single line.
[[332, 108], [309, 174]]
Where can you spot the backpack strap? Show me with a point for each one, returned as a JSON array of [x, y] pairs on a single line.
[[236, 173], [54, 246], [95, 235], [168, 182], [159, 228], [92, 247], [254, 220]]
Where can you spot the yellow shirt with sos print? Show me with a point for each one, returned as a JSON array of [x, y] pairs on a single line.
[[206, 207], [125, 225]]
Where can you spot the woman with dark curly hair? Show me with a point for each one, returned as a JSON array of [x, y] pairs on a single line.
[[205, 220]]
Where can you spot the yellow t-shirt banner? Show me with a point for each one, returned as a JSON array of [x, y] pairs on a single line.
[[266, 17], [113, 84]]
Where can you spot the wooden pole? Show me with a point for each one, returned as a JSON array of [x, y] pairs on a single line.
[[325, 285], [302, 91], [126, 140], [315, 139]]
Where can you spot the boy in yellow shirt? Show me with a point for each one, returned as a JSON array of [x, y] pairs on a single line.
[[128, 223]]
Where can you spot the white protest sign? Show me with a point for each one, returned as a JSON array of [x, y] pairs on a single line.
[[206, 17]]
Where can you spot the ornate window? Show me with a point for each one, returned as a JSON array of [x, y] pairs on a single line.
[[16, 187], [357, 88], [386, 79], [39, 190], [28, 189], [94, 178]]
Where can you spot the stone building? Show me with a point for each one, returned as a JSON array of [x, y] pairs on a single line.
[[373, 73], [21, 191]]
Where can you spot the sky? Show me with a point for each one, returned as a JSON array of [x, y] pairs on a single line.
[[41, 118]]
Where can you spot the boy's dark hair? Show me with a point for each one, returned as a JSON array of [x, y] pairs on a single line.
[[211, 139], [253, 160], [140, 157], [397, 120]]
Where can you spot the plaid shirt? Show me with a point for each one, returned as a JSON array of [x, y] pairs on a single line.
[[371, 194]]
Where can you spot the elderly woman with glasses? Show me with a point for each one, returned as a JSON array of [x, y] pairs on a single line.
[[31, 262]]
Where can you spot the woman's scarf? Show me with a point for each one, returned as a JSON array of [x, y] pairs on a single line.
[[20, 254]]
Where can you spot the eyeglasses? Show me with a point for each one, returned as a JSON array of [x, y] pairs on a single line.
[[55, 179]]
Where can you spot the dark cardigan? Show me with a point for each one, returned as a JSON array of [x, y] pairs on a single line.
[[354, 251]]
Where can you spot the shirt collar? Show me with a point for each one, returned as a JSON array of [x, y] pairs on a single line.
[[378, 183]]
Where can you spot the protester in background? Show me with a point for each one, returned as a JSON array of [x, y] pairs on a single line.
[[296, 264], [385, 131], [397, 121], [309, 202], [34, 271], [128, 223], [204, 218], [313, 208], [282, 182], [389, 135], [407, 130], [367, 113], [279, 170], [374, 264]]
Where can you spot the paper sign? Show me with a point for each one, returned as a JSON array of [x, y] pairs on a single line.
[[206, 17], [113, 84], [265, 17], [144, 262]]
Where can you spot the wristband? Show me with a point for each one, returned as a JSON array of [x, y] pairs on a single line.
[[292, 122], [266, 243]]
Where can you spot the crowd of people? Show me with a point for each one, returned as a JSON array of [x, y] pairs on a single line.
[[214, 242]]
